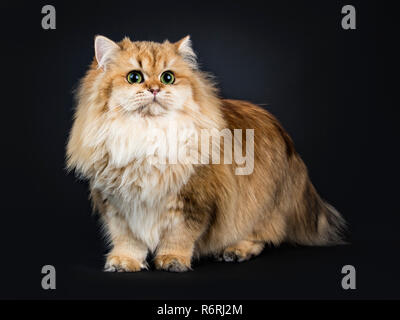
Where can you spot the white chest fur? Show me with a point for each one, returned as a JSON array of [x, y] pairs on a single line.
[[139, 179]]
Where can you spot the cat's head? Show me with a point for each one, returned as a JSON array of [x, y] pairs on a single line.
[[146, 78]]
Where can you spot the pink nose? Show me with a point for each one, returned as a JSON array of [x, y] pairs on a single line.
[[154, 91]]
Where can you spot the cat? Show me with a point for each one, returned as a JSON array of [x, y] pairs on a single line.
[[180, 211]]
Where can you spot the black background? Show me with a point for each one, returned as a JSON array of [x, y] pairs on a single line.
[[329, 87]]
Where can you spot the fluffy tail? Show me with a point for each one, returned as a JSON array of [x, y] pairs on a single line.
[[316, 222], [331, 226]]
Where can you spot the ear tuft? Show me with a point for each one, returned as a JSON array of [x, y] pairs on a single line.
[[104, 49], [185, 49]]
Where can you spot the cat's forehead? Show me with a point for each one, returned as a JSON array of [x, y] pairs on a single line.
[[149, 56]]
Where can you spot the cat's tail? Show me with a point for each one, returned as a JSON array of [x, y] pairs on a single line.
[[316, 222], [331, 226]]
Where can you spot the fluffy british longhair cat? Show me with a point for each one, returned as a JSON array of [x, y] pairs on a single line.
[[133, 96]]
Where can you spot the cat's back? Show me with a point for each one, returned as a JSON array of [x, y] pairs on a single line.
[[244, 115], [268, 132]]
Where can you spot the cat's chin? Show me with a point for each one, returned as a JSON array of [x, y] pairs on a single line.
[[151, 109]]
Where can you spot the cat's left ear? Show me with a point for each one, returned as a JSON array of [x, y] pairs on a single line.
[[184, 47]]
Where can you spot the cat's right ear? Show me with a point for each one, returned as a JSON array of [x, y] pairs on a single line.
[[104, 49]]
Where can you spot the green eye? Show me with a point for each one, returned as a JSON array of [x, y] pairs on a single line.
[[167, 77], [134, 77]]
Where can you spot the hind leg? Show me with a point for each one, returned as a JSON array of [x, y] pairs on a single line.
[[271, 230], [241, 251]]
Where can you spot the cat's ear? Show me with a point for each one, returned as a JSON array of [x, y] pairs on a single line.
[[104, 49], [184, 47]]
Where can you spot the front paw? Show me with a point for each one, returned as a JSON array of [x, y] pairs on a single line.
[[120, 263], [173, 263]]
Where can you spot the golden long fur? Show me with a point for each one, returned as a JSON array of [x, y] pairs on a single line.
[[184, 210]]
